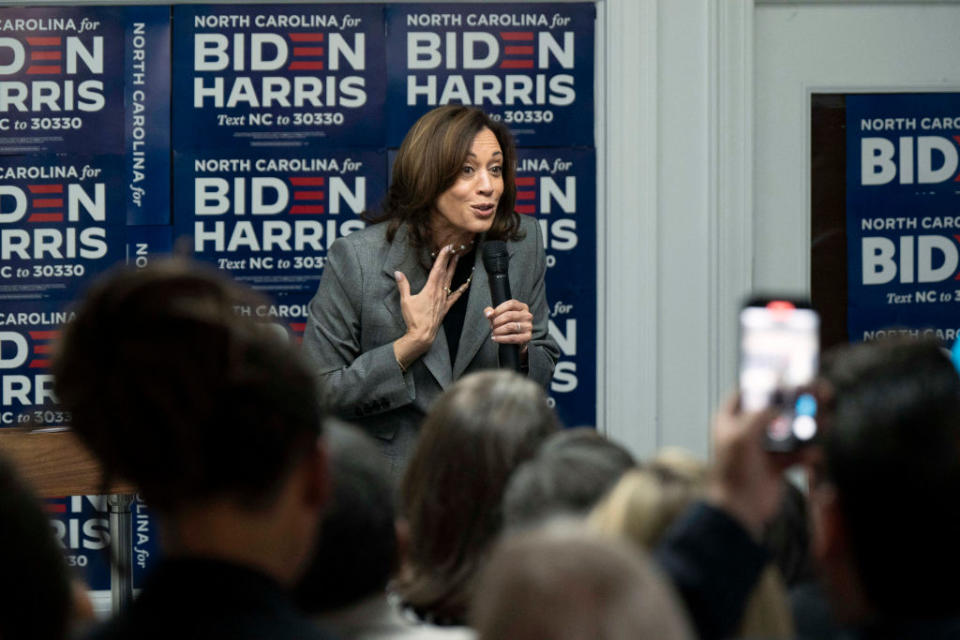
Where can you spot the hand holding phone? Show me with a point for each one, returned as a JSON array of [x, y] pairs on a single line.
[[779, 355]]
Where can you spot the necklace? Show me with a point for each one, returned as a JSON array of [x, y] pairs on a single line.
[[457, 249], [466, 284]]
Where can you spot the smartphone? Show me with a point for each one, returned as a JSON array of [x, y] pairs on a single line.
[[779, 356]]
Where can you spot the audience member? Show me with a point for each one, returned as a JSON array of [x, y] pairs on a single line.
[[884, 498], [712, 552], [473, 438], [35, 590], [571, 471], [345, 587], [561, 583], [645, 503], [787, 537], [214, 417]]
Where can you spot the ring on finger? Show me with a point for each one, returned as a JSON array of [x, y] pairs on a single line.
[[519, 330], [448, 291]]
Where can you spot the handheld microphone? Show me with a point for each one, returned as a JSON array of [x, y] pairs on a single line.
[[495, 261]]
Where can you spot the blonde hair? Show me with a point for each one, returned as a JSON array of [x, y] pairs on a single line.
[[646, 501], [643, 505]]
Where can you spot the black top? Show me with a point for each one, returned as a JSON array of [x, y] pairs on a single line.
[[714, 564], [199, 598], [453, 321]]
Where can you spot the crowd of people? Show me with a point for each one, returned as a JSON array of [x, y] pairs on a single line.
[[280, 521], [456, 506]]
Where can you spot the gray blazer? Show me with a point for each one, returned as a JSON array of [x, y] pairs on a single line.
[[355, 317]]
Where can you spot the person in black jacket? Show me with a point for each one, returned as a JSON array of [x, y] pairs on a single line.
[[214, 417], [884, 497]]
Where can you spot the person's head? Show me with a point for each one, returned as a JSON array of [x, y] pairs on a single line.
[[35, 591], [885, 498], [645, 502], [357, 550], [455, 167], [644, 505], [472, 439], [561, 583], [175, 391], [571, 471]]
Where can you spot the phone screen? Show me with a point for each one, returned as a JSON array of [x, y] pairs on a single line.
[[779, 352]]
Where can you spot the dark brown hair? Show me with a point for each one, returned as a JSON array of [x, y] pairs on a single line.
[[429, 162], [475, 435], [892, 452], [170, 388]]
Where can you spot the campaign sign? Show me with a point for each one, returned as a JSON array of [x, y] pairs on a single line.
[[145, 244], [82, 527], [81, 524], [63, 73], [61, 222], [529, 65], [278, 75], [270, 218], [903, 212], [147, 117], [146, 540], [28, 330], [558, 186], [287, 310]]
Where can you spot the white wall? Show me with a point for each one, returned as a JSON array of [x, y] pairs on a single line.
[[675, 184], [706, 177]]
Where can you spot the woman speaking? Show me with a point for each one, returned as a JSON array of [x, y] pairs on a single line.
[[404, 306]]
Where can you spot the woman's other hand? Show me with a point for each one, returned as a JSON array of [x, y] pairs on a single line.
[[511, 323]]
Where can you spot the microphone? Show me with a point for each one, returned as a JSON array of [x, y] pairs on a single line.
[[495, 261]]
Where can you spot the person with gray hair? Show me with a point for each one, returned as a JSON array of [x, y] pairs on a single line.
[[563, 583], [572, 470]]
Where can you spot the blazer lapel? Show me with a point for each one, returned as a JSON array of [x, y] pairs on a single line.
[[400, 257]]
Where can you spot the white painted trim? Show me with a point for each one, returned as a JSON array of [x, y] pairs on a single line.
[[732, 278], [631, 386], [600, 138]]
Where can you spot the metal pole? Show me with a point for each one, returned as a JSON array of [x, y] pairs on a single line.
[[121, 551]]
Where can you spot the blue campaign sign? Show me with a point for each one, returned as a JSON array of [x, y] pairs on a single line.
[[146, 541], [558, 186], [529, 65], [145, 244], [903, 227], [65, 71], [28, 331], [248, 76], [147, 115], [82, 526], [61, 222], [288, 310], [270, 218]]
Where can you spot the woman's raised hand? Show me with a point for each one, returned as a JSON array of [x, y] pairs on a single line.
[[423, 312]]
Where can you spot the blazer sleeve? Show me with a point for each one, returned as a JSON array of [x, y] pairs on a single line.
[[543, 351], [353, 383]]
